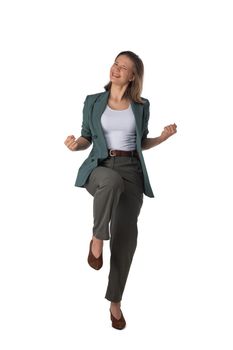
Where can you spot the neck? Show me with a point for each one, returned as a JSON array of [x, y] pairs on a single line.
[[117, 92]]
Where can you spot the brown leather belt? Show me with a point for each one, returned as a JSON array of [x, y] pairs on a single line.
[[120, 153]]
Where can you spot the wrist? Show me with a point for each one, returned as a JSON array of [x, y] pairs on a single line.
[[160, 139]]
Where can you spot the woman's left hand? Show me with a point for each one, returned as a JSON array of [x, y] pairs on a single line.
[[168, 131]]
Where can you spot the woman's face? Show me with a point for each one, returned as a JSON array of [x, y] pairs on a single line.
[[121, 71]]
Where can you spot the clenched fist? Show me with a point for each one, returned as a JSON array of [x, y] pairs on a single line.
[[72, 143], [168, 131]]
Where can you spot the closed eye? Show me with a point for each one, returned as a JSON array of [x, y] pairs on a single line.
[[117, 64]]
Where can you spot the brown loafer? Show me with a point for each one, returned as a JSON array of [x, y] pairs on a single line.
[[95, 263], [118, 324]]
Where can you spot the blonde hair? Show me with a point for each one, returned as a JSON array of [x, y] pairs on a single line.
[[134, 88]]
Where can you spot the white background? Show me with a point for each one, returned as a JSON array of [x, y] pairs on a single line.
[[179, 291]]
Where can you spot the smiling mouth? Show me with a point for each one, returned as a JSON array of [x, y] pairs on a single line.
[[115, 76]]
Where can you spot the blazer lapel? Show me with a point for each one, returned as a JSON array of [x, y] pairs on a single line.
[[98, 109], [138, 114], [100, 105]]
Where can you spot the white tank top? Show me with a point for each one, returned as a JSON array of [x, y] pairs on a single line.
[[119, 128]]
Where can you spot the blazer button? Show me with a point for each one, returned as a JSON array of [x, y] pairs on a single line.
[[95, 136], [92, 159]]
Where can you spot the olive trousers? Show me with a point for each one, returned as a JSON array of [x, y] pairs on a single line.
[[117, 187]]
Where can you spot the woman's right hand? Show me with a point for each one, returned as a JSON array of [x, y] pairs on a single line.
[[72, 143]]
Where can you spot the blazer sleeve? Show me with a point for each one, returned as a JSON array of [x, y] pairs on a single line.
[[85, 129], [146, 119]]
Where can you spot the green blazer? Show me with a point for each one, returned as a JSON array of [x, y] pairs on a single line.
[[94, 107]]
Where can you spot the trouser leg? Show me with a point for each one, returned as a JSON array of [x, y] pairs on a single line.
[[123, 241], [106, 186]]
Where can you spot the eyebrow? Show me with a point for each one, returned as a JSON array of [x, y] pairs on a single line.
[[122, 65]]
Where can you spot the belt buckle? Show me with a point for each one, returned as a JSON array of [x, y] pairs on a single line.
[[110, 153]]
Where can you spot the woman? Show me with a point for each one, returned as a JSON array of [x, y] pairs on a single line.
[[116, 122]]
